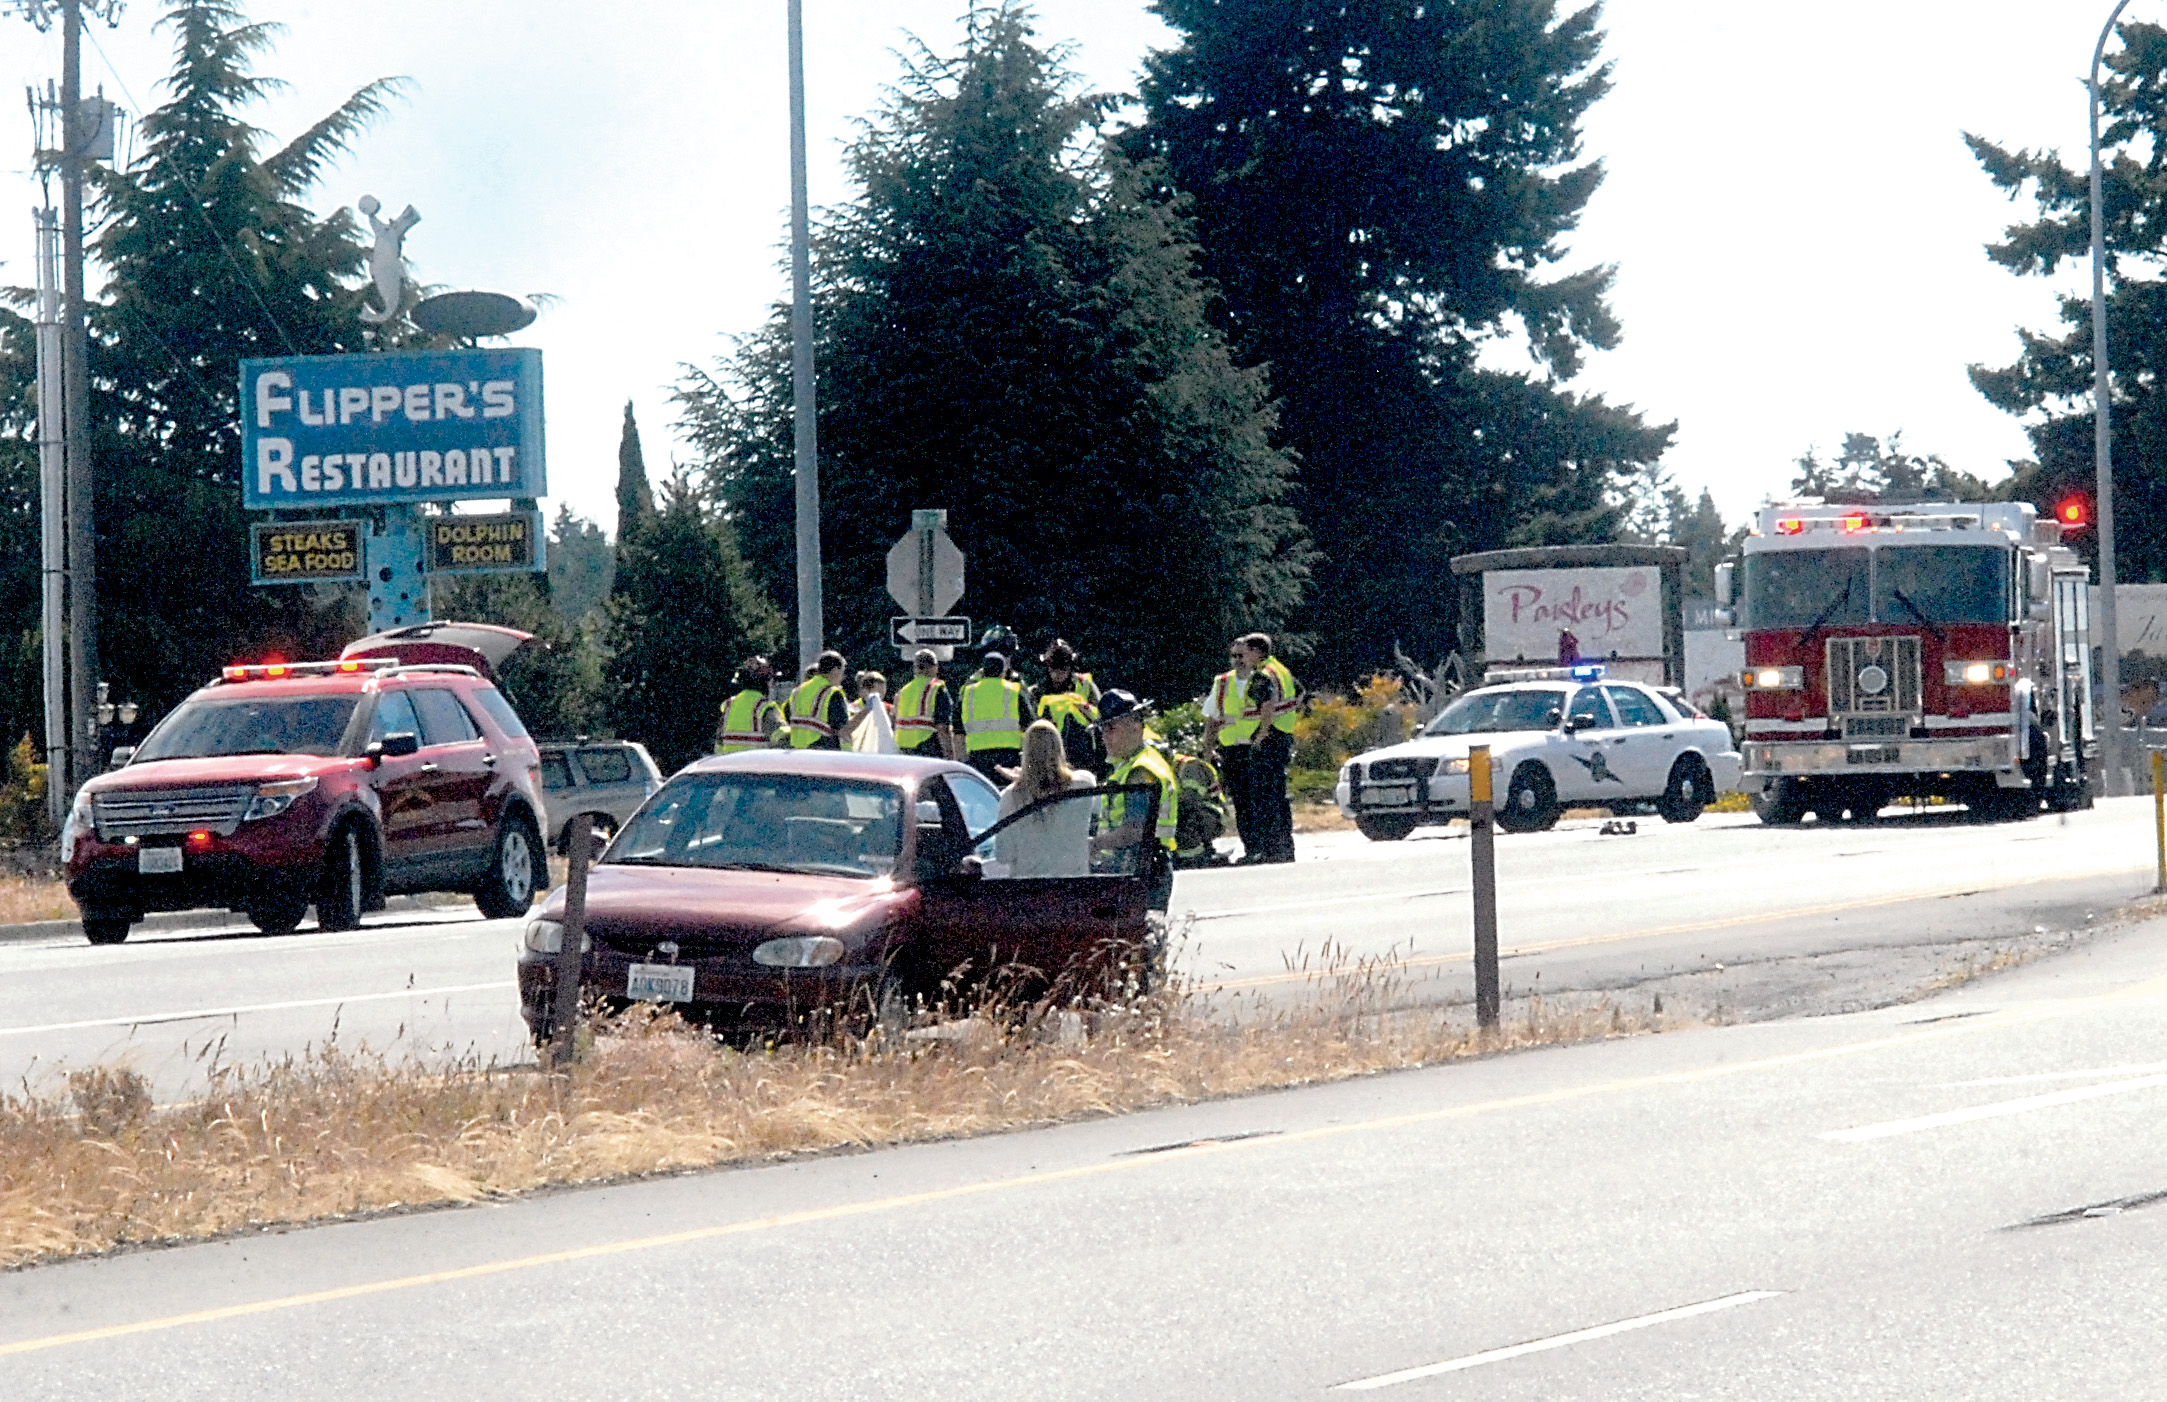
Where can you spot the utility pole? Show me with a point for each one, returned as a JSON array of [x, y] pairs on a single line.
[[52, 523], [75, 408], [810, 624]]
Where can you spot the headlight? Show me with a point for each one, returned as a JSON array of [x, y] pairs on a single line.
[[547, 937], [799, 952], [275, 798], [1452, 766], [1978, 673], [79, 823], [1772, 678]]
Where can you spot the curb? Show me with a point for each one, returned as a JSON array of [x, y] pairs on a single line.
[[35, 931]]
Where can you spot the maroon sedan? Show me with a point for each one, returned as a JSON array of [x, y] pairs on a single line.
[[759, 885]]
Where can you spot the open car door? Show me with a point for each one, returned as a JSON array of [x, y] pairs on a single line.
[[1046, 899]]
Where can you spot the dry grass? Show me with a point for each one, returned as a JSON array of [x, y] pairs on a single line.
[[1321, 817], [25, 898], [340, 1132]]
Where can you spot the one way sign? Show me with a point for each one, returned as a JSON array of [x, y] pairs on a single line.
[[928, 632]]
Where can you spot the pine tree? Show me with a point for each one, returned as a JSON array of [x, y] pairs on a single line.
[[1379, 186], [1012, 328], [2050, 382]]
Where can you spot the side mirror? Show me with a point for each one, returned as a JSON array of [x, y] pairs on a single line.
[[1725, 574], [121, 755], [2041, 581], [393, 746], [929, 813], [1575, 724]]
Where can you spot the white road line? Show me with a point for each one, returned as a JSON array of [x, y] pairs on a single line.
[[2143, 1069], [1578, 1336], [146, 1019], [1993, 1111]]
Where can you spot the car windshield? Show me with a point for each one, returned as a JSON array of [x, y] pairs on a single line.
[[1806, 588], [1937, 584], [1487, 712], [296, 725], [766, 822]]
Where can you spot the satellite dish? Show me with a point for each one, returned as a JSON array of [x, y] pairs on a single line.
[[473, 314]]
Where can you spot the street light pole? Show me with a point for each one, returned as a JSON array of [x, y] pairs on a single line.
[[2110, 671], [810, 624]]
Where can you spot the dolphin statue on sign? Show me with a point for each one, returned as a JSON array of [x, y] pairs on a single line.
[[387, 266]]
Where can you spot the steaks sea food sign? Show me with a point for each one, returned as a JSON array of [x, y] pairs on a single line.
[[396, 426], [1609, 613]]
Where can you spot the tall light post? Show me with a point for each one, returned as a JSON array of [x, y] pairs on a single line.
[[2110, 671], [810, 624]]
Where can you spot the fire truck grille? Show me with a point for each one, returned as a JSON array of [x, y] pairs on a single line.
[[157, 812], [1873, 676]]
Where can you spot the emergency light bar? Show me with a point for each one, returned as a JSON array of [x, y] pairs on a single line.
[[1578, 672], [283, 671]]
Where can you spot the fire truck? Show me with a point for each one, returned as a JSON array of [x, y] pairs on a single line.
[[1931, 650]]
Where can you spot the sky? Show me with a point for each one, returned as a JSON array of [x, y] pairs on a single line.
[[1796, 224]]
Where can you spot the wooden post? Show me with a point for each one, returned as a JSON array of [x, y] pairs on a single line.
[[571, 956], [1482, 857], [2159, 818]]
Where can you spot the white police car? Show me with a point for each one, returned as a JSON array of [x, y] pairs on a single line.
[[1558, 737]]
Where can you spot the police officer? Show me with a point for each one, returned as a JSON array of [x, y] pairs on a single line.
[[925, 710], [749, 719], [992, 709], [1070, 700], [1121, 727], [1255, 703], [819, 712]]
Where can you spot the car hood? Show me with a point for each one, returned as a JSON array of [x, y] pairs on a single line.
[[1456, 746], [640, 905], [213, 769]]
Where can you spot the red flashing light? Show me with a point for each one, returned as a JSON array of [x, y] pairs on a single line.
[[201, 837], [349, 666], [2074, 512], [1857, 521], [1789, 525]]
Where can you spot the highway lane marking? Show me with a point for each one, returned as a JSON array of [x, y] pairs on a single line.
[[1695, 927], [2150, 988], [2141, 1069], [1999, 1108], [197, 1014], [1577, 1336]]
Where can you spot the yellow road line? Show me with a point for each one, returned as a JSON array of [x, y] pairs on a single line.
[[1727, 922], [2150, 988]]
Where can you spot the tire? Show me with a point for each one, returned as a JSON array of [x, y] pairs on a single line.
[[1690, 791], [1385, 827], [1531, 801], [278, 915], [342, 892], [1780, 805], [2000, 805], [515, 871], [106, 929]]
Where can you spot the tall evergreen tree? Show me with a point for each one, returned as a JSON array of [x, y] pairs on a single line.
[[2050, 382], [22, 705], [635, 499], [581, 565], [1379, 187], [1011, 327], [209, 256], [685, 610]]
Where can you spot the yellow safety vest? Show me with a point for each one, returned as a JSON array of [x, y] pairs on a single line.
[[992, 713], [744, 721], [809, 713], [1242, 719], [1061, 707], [1287, 709], [914, 712], [1156, 769]]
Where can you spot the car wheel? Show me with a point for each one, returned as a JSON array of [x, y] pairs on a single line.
[[1531, 801], [105, 929], [1780, 805], [1690, 791], [1385, 827], [509, 887], [278, 915], [343, 891]]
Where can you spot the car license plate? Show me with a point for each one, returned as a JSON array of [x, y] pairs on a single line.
[[659, 983], [154, 861], [1871, 754], [1394, 794]]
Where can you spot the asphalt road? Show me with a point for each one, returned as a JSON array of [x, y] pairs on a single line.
[[1953, 1199], [1722, 916]]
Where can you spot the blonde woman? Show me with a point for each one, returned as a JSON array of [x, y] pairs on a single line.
[[1055, 840]]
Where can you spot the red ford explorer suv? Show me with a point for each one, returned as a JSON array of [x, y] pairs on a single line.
[[332, 784]]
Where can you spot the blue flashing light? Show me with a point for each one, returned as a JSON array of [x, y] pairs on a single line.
[[1587, 672]]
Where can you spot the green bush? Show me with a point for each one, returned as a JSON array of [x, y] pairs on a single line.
[[22, 797]]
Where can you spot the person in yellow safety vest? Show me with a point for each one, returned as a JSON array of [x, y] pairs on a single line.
[[925, 710], [750, 721], [1070, 700], [1255, 705], [819, 712], [992, 711], [1121, 726]]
